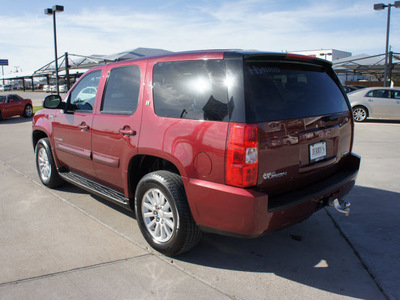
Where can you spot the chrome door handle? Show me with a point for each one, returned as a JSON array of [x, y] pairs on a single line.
[[127, 131], [83, 127]]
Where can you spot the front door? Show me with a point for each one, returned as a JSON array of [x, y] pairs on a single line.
[[73, 129], [12, 107]]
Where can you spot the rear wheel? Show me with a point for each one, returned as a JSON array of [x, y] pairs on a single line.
[[163, 214], [28, 111], [360, 113], [45, 165]]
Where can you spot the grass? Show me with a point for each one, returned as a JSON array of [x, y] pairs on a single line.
[[36, 108]]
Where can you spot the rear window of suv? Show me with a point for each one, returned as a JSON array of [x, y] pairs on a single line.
[[280, 91]]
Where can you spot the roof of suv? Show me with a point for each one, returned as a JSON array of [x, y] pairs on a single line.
[[231, 53]]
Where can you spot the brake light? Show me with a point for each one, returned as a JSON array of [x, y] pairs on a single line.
[[241, 163]]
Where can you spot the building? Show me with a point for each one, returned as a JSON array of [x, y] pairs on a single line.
[[328, 54]]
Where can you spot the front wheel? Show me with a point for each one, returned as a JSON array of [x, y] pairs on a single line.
[[360, 113], [163, 213], [45, 165]]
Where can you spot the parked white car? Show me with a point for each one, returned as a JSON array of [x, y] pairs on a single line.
[[46, 88], [62, 88], [6, 87], [375, 102]]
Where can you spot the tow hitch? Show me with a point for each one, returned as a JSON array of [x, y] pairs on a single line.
[[341, 206]]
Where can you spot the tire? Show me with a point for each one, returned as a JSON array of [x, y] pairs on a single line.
[[360, 113], [163, 214], [28, 111], [45, 165]]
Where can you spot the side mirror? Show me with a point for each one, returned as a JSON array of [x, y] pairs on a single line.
[[53, 102]]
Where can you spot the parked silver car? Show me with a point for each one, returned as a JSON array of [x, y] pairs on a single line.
[[375, 102]]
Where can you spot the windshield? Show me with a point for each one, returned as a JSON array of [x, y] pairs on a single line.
[[285, 90], [2, 99]]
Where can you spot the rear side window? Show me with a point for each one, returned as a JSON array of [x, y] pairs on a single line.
[[122, 91], [191, 90], [280, 91]]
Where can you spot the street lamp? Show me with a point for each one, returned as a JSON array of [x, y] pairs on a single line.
[[381, 6], [52, 11]]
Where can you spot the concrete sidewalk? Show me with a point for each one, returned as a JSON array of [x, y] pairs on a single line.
[[66, 243]]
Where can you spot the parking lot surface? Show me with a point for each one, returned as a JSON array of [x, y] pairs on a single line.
[[66, 243], [36, 97]]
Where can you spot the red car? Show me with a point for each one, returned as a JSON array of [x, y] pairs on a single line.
[[14, 105], [198, 141]]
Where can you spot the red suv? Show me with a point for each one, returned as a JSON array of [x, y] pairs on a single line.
[[238, 143]]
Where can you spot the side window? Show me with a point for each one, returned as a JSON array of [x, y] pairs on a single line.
[[122, 91], [83, 96], [396, 94], [16, 97], [379, 94], [191, 90]]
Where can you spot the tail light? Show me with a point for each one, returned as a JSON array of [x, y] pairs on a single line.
[[241, 164]]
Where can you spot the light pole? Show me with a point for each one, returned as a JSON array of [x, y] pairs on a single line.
[[52, 11], [381, 6]]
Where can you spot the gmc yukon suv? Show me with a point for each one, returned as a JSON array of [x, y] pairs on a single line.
[[238, 143]]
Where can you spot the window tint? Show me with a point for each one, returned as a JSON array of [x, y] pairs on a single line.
[[122, 92], [396, 94], [84, 94], [379, 94], [191, 90], [280, 90], [16, 97]]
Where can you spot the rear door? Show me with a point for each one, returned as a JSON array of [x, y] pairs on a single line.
[[304, 122], [395, 104], [116, 126]]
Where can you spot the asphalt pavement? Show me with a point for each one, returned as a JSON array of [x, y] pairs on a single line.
[[67, 243]]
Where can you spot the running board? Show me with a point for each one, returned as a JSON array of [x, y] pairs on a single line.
[[94, 187]]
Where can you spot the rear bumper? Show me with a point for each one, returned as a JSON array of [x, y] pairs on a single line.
[[247, 212]]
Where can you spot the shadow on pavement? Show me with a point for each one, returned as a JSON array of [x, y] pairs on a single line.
[[312, 252], [67, 187], [15, 120]]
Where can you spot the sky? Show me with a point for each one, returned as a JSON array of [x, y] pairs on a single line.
[[106, 27]]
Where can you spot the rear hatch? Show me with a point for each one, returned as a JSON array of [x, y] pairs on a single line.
[[304, 122]]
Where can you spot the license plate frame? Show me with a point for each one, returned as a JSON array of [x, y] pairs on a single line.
[[317, 151]]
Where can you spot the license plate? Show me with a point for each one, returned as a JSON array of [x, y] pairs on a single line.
[[317, 151]]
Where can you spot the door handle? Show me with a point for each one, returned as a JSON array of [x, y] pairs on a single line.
[[83, 126], [127, 131]]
